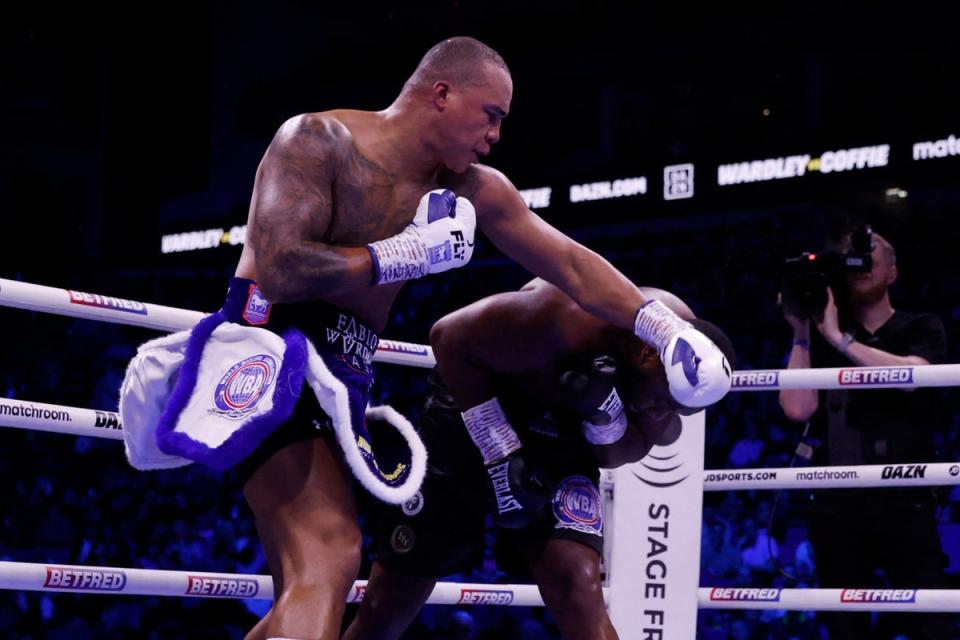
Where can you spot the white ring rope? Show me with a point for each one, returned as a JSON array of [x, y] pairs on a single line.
[[37, 416], [927, 375], [910, 600], [92, 306], [25, 576], [871, 475]]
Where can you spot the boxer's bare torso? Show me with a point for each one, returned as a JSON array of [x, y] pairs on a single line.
[[336, 160]]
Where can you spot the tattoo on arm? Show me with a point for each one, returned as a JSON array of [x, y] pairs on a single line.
[[293, 209]]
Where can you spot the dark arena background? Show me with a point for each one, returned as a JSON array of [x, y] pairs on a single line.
[[695, 147]]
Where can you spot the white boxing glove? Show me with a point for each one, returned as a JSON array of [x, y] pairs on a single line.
[[697, 371], [439, 238]]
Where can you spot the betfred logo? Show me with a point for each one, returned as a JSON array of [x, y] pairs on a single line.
[[106, 302], [878, 595], [881, 375], [485, 596], [221, 587], [85, 579], [359, 590], [755, 379], [403, 347], [724, 594]]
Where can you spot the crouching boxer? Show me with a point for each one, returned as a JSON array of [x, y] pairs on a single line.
[[531, 396]]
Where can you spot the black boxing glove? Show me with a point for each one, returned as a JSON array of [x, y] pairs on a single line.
[[591, 392], [519, 493]]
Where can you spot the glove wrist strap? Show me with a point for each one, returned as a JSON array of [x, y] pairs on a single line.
[[490, 431], [656, 324], [401, 257], [605, 434], [613, 427]]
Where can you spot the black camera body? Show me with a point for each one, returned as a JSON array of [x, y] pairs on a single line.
[[807, 276]]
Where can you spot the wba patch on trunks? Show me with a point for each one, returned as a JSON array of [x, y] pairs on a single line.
[[577, 506], [214, 393]]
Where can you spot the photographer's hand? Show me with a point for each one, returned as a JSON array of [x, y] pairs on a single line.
[[857, 352], [798, 404], [800, 326], [829, 326]]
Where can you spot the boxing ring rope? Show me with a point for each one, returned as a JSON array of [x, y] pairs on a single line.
[[25, 576], [907, 377], [37, 416], [106, 424], [92, 306]]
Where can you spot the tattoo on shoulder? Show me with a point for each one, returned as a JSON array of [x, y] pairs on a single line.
[[294, 184]]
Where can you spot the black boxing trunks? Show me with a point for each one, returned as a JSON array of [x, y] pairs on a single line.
[[440, 530]]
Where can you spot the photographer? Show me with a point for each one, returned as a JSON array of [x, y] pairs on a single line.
[[857, 532]]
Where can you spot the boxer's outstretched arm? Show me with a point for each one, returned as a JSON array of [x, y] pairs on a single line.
[[292, 206], [582, 274]]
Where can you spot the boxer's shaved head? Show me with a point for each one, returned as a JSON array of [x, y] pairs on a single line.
[[458, 60]]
